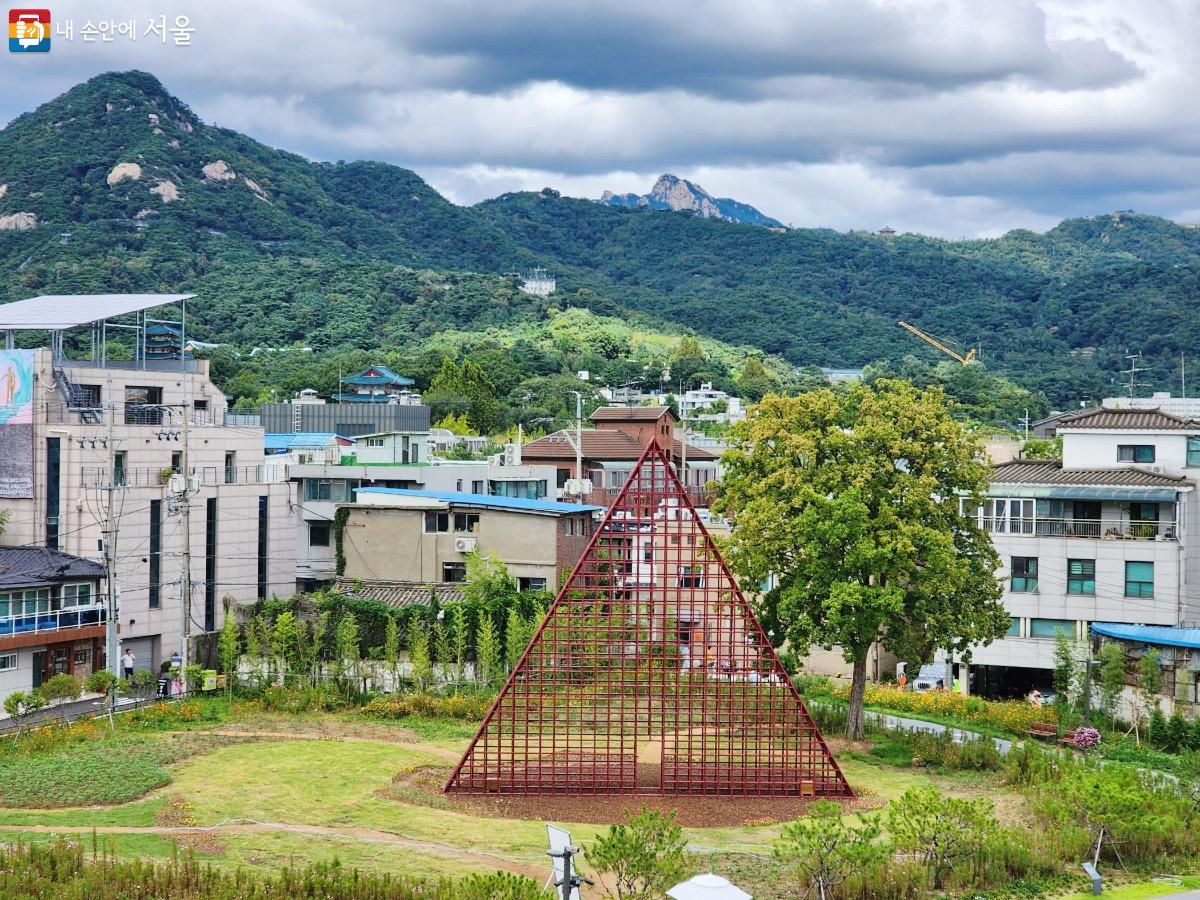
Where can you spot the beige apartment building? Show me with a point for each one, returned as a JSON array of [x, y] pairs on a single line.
[[424, 537], [71, 428]]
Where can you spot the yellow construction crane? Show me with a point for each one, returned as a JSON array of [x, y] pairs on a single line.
[[930, 339]]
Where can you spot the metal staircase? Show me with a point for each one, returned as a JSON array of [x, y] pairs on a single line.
[[77, 398]]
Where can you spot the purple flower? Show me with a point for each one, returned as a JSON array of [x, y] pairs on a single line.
[[1087, 738]]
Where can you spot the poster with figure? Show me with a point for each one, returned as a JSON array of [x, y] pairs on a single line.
[[16, 423]]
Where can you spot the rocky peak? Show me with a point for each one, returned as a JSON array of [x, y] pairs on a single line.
[[671, 192]]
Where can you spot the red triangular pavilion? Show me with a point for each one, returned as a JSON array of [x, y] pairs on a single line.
[[650, 674]]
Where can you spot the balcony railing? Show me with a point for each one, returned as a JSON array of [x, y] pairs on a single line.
[[63, 413], [59, 620], [1096, 529], [149, 476]]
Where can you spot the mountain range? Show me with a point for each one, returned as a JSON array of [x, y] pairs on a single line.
[[681, 195], [117, 185]]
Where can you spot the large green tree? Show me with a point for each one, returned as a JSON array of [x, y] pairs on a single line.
[[851, 501]]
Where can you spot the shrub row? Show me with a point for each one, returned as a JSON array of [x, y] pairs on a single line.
[[400, 706], [64, 869], [1013, 716]]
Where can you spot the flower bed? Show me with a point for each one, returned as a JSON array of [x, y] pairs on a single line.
[[1013, 716]]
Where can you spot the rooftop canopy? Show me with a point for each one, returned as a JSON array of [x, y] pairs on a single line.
[[58, 312]]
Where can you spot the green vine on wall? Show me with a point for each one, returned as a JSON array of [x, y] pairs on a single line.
[[339, 527]]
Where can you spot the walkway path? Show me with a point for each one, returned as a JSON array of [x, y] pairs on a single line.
[[897, 723]]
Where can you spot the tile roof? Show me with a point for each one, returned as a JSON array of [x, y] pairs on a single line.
[[32, 566], [1128, 420], [382, 375], [1037, 471], [487, 501], [601, 444], [399, 594], [629, 413]]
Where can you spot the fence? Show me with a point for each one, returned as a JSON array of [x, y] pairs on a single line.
[[151, 476], [1110, 529], [57, 620]]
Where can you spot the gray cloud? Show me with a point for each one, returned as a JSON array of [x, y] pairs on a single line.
[[949, 116]]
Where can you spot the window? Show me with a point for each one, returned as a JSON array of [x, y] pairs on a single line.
[[561, 479], [76, 595], [568, 526], [1138, 453], [318, 535], [1048, 628], [476, 487], [4, 611], [154, 554], [318, 489], [1139, 579], [1024, 575], [200, 405], [466, 523], [264, 530], [119, 468], [83, 657], [458, 485], [1014, 627], [375, 442], [437, 522], [177, 461], [1193, 452], [1081, 576], [691, 576], [35, 602], [8, 661], [531, 584], [454, 571], [230, 467], [211, 530]]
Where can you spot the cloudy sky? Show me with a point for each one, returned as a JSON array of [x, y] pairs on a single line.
[[950, 117]]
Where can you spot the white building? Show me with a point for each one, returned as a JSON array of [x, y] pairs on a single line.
[[1187, 407], [72, 428], [391, 447], [1110, 534], [697, 405]]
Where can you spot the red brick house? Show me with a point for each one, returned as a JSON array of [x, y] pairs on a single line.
[[612, 446]]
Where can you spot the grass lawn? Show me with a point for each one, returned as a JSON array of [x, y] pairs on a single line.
[[138, 813], [1143, 890]]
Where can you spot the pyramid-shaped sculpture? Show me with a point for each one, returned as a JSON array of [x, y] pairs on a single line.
[[650, 674]]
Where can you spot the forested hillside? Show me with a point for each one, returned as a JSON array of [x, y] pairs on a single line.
[[117, 185]]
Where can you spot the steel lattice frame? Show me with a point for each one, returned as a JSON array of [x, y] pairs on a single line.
[[650, 674]]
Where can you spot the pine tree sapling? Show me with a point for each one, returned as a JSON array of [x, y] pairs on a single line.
[[825, 849], [943, 831], [418, 652], [489, 657], [644, 856], [1110, 677], [1150, 683], [391, 648]]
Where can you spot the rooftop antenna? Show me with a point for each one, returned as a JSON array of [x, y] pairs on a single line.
[[1132, 372]]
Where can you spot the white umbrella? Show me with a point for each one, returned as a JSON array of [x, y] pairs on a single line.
[[707, 887]]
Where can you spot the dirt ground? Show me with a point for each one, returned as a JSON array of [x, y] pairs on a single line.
[[424, 785]]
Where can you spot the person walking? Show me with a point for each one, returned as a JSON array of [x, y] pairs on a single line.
[[127, 662]]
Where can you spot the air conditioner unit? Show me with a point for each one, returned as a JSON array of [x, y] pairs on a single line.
[[1157, 469], [578, 487], [465, 545]]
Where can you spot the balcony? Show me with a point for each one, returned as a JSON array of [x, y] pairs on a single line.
[[59, 620], [1094, 529], [64, 413], [149, 476]]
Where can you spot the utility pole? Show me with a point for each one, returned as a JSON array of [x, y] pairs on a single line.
[[579, 440], [111, 529], [186, 578], [1025, 422]]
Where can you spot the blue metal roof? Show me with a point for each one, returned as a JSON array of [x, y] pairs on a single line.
[[1163, 635], [487, 500], [303, 440]]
